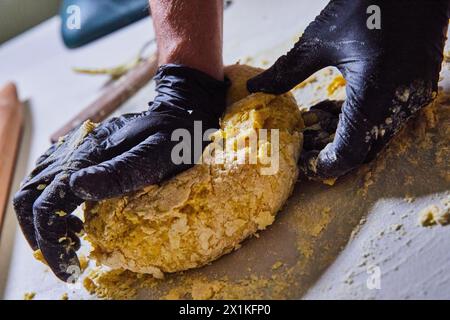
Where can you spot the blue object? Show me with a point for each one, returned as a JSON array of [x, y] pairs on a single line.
[[83, 21]]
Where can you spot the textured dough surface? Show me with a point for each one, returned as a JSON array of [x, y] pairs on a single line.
[[208, 210]]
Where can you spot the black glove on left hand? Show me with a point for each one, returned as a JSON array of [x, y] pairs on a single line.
[[119, 156]]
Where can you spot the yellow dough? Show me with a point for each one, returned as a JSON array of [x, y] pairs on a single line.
[[208, 210]]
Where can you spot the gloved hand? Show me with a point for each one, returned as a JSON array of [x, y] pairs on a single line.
[[118, 156], [391, 72]]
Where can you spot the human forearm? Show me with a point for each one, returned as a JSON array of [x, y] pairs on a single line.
[[189, 32]]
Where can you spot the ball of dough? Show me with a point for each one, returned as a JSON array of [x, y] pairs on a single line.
[[208, 210]]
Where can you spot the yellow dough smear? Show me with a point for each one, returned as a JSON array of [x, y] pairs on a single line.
[[208, 210]]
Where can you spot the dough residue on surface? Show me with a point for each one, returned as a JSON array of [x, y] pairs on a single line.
[[29, 295], [123, 284], [207, 211], [433, 215]]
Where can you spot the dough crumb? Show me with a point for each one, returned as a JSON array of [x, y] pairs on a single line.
[[277, 265], [337, 82], [39, 257], [205, 290], [124, 284], [84, 262], [444, 217], [329, 182], [117, 284], [65, 296], [29, 295], [433, 215]]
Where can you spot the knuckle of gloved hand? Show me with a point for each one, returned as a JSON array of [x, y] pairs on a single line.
[[335, 161], [39, 213], [18, 200], [108, 127], [48, 223]]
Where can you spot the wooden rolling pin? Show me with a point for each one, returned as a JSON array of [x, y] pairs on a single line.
[[11, 122], [114, 95]]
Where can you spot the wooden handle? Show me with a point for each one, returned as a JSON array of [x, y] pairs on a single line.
[[11, 121], [115, 94]]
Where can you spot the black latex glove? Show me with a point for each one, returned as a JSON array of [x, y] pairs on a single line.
[[119, 156], [391, 73]]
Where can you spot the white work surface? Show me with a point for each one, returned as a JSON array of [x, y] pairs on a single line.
[[41, 66]]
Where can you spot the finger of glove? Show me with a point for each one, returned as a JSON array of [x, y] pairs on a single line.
[[148, 163], [108, 127], [318, 120], [32, 187], [23, 206], [325, 114], [42, 168], [291, 69], [55, 231], [364, 106], [316, 139], [333, 107], [54, 157], [321, 122], [349, 148], [24, 199], [309, 54], [56, 146], [47, 153], [61, 150], [47, 167]]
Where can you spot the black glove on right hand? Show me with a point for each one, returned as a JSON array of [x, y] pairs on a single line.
[[391, 73]]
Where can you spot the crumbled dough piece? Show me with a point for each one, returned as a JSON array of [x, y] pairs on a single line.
[[444, 217], [65, 296], [84, 262], [330, 181], [90, 285], [208, 210], [433, 215], [337, 82], [205, 290], [447, 56], [29, 295], [39, 257], [277, 265], [111, 285]]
